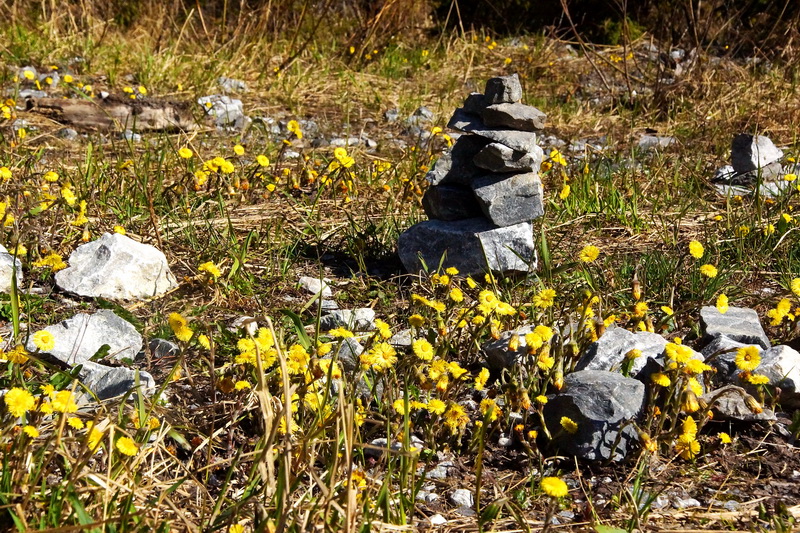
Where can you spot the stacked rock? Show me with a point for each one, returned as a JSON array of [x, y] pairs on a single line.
[[486, 191]]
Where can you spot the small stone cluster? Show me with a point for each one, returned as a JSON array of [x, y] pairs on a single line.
[[756, 164], [486, 191]]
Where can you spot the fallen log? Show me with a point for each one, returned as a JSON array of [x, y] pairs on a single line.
[[114, 113]]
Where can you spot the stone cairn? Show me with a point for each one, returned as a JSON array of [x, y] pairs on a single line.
[[485, 192]]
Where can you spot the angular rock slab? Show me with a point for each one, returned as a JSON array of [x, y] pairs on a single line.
[[8, 265], [727, 403], [111, 381], [600, 403], [362, 319], [456, 167], [78, 338], [503, 89], [472, 246], [450, 202], [118, 268], [514, 117], [496, 351], [522, 141], [510, 200], [752, 153], [781, 364], [498, 157], [738, 323], [725, 362], [608, 352]]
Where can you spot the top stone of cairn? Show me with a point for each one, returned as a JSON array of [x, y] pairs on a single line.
[[503, 90]]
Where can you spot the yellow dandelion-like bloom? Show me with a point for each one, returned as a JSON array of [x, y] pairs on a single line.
[[488, 300], [455, 418], [667, 310], [687, 447], [127, 446], [569, 425], [30, 431], [180, 327], [565, 190], [422, 349], [696, 249], [557, 157], [722, 304], [541, 399], [554, 487], [640, 309], [238, 149], [44, 340], [748, 358], [660, 379], [709, 271], [695, 366], [416, 320], [75, 422], [204, 341], [294, 128], [589, 254], [693, 385], [757, 379], [490, 410], [64, 402], [18, 401], [724, 438], [185, 153], [456, 295], [210, 268], [481, 379], [632, 354], [383, 329], [262, 160], [544, 298], [341, 333], [795, 286], [436, 406], [689, 427]]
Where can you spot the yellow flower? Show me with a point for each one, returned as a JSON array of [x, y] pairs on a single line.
[[19, 401], [544, 298], [127, 446], [541, 399], [75, 422], [50, 176], [422, 349], [238, 149], [383, 329], [180, 327], [722, 304], [757, 379], [724, 438], [490, 410], [635, 353], [748, 358], [790, 177], [569, 425], [381, 357], [31, 431], [660, 379], [204, 341], [481, 379], [696, 249], [455, 418], [488, 301], [589, 254], [44, 340], [565, 190], [696, 366], [556, 157], [710, 271], [54, 261], [341, 333], [63, 402], [342, 158], [294, 127], [120, 230], [687, 447], [554, 487], [210, 268], [456, 295], [436, 406], [795, 286], [416, 320], [185, 153], [640, 309]]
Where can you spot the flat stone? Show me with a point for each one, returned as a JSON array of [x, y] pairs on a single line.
[[503, 89], [361, 319], [496, 351], [163, 348], [752, 153], [226, 111], [608, 352], [513, 116], [78, 338], [437, 520], [497, 157], [118, 268], [456, 167], [316, 286], [602, 404], [655, 142], [727, 403], [475, 103], [450, 202], [725, 360], [461, 498], [738, 323], [472, 246], [510, 200], [111, 381], [9, 265], [522, 141], [781, 364]]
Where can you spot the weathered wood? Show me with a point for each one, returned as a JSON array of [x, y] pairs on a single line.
[[115, 114]]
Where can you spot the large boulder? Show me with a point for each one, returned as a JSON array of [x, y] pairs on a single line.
[[116, 267], [602, 404], [472, 246]]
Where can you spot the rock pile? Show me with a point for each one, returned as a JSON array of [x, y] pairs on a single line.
[[755, 163], [486, 191]]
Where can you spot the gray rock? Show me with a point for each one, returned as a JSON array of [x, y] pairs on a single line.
[[78, 338], [684, 503], [513, 116], [472, 246], [522, 141], [108, 382], [728, 403], [392, 115], [348, 354], [450, 202], [655, 142], [316, 286], [781, 364], [738, 323], [345, 142], [602, 404], [456, 167], [437, 520], [401, 339], [116, 267], [130, 135], [227, 112], [362, 319], [475, 103], [9, 265], [724, 174], [753, 153], [420, 117], [496, 351], [608, 352], [21, 73], [503, 89], [24, 94], [725, 360], [230, 85], [67, 133], [510, 200], [329, 305], [461, 498], [163, 348], [497, 157]]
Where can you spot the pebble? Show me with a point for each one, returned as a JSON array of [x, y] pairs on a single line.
[[437, 520], [684, 503], [462, 498]]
